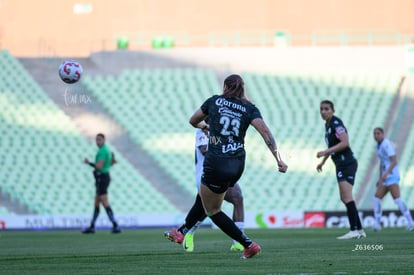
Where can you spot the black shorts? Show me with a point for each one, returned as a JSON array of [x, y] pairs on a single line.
[[347, 172], [102, 181], [221, 173]]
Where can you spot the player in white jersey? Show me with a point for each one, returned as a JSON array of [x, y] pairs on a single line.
[[201, 144], [389, 179], [233, 195]]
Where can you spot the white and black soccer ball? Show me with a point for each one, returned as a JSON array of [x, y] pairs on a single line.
[[70, 71]]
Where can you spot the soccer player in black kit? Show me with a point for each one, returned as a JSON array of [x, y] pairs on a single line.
[[229, 116], [336, 137]]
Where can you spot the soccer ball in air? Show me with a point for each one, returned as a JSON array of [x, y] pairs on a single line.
[[70, 71]]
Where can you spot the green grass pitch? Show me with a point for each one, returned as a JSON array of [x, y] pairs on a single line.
[[146, 251]]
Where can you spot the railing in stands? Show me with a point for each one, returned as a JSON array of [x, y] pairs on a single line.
[[266, 38]]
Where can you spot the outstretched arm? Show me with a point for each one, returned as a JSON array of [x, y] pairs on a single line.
[[86, 161], [268, 138]]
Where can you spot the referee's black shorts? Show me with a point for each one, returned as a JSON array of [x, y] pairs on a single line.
[[221, 173], [102, 181]]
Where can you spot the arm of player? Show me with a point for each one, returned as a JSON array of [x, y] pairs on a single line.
[[203, 149], [197, 120], [86, 161], [267, 136], [99, 165], [113, 161], [319, 166], [343, 144], [380, 175], [384, 175]]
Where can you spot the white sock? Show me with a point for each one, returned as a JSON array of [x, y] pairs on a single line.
[[194, 228], [377, 211], [405, 211], [240, 225]]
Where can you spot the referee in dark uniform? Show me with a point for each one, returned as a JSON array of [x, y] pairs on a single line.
[[229, 116], [336, 138], [103, 161]]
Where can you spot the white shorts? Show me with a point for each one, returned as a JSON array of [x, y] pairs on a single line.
[[391, 180]]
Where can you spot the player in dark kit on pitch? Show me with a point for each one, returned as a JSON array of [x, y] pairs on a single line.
[[336, 138], [229, 116]]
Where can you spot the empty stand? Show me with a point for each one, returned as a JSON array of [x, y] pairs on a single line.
[[42, 153]]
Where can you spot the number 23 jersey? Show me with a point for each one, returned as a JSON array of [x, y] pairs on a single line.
[[229, 119]]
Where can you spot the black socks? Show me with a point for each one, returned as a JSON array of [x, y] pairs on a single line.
[[95, 216], [111, 216], [195, 214], [354, 221], [229, 227]]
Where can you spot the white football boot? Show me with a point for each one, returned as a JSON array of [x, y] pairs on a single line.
[[353, 234]]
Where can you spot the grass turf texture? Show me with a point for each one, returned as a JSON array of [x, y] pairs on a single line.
[[146, 251]]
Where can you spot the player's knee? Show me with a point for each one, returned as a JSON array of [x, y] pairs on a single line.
[[212, 212]]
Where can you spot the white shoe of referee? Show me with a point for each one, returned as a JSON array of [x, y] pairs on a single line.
[[353, 234]]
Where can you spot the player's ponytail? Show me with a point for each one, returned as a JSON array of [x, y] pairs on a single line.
[[234, 87]]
